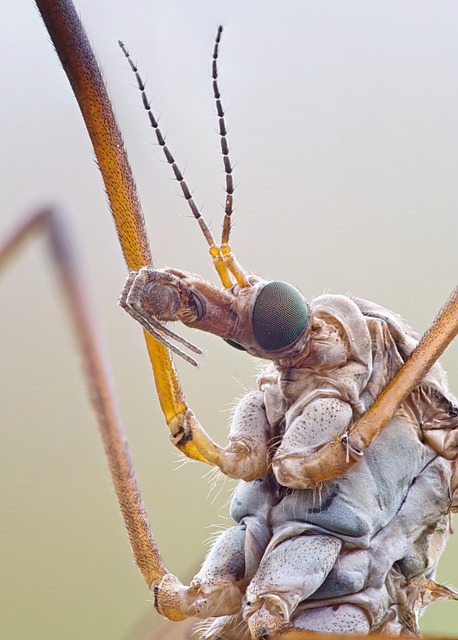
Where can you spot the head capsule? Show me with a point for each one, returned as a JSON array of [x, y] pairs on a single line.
[[269, 320]]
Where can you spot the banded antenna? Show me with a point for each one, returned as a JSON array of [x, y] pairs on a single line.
[[224, 146], [223, 258]]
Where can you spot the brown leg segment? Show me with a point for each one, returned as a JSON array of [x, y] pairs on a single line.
[[99, 384]]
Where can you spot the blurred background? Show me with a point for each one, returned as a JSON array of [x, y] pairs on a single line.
[[342, 123]]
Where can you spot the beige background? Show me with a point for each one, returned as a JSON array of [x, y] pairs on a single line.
[[344, 134]]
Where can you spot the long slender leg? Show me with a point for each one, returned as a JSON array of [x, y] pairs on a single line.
[[218, 588], [100, 387], [78, 60], [103, 398], [74, 50], [436, 339]]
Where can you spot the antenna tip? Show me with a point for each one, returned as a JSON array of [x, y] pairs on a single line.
[[218, 35]]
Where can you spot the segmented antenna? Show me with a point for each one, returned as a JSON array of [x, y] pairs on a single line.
[[169, 157], [224, 145], [225, 263]]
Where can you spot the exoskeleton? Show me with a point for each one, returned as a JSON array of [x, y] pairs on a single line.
[[355, 553], [346, 451]]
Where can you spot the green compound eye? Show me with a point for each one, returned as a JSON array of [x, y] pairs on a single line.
[[279, 316]]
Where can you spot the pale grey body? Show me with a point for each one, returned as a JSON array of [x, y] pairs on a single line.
[[353, 555]]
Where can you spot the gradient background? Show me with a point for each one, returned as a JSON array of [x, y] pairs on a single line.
[[343, 124]]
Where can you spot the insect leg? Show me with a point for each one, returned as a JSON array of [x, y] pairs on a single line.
[[100, 388], [219, 586], [78, 60], [339, 455], [320, 421], [289, 573], [436, 339], [245, 457]]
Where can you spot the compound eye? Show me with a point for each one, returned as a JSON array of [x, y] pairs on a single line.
[[279, 316]]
